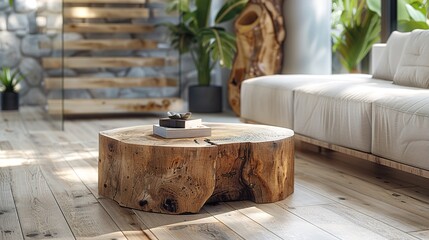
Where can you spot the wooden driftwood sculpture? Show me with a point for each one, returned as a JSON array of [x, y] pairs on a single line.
[[260, 34]]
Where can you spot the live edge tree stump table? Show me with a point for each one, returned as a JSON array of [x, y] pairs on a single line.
[[239, 161]]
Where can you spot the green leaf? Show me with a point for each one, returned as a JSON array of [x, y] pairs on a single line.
[[202, 12], [221, 45], [181, 37], [11, 3], [357, 39], [230, 10], [178, 5], [10, 80], [375, 6], [402, 10], [207, 44], [415, 14], [408, 26]]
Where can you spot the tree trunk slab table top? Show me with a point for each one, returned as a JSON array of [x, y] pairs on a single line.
[[238, 162]]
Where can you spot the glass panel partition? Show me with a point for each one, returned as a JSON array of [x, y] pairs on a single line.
[[116, 58], [28, 31], [54, 74]]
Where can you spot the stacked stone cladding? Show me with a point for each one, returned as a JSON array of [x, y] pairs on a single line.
[[31, 24]]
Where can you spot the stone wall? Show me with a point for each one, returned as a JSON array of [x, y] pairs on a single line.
[[20, 35], [30, 23]]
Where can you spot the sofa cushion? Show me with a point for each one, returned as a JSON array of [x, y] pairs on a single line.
[[340, 113], [269, 99], [389, 60], [401, 128], [413, 68]]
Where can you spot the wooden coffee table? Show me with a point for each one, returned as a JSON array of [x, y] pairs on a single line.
[[239, 161]]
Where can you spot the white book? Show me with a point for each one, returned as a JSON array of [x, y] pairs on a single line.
[[165, 132]]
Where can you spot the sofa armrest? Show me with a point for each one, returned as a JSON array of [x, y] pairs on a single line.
[[376, 52]]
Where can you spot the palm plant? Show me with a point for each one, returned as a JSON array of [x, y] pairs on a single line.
[[360, 30], [356, 25], [412, 14], [206, 43], [10, 80]]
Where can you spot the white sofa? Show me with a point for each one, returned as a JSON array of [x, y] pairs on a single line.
[[382, 117]]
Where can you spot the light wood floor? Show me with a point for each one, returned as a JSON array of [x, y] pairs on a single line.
[[48, 189]]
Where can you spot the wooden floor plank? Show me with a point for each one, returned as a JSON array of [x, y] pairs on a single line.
[[84, 166], [84, 214], [360, 186], [346, 223], [12, 125], [362, 202], [38, 119], [421, 195], [281, 222], [421, 235], [10, 227], [190, 227], [38, 212], [335, 197], [304, 197], [79, 161], [239, 222], [9, 156], [359, 168], [127, 220]]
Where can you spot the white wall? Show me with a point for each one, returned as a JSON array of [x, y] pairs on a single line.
[[221, 75], [307, 48]]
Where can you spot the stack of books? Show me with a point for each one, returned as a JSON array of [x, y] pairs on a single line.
[[181, 128]]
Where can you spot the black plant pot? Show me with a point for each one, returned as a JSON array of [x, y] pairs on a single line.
[[9, 101], [205, 99]]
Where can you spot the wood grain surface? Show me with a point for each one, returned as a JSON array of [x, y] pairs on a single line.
[[260, 34], [114, 105], [336, 196], [102, 44], [105, 62], [104, 12], [107, 28], [108, 82], [239, 161]]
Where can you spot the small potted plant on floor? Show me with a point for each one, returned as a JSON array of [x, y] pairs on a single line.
[[8, 84], [207, 43]]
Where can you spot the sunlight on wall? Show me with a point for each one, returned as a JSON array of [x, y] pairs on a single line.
[[320, 10], [307, 47]]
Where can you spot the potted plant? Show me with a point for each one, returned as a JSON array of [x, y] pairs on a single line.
[[9, 94], [207, 44]]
